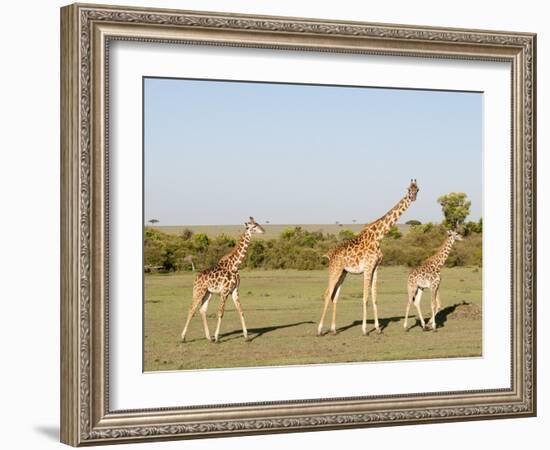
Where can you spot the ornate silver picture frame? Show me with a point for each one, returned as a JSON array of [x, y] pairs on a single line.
[[87, 32]]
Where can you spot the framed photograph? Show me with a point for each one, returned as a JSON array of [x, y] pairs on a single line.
[[254, 207]]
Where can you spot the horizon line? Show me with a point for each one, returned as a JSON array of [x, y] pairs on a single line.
[[281, 223]]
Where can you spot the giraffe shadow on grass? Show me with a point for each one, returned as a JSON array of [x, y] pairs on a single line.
[[441, 316], [384, 322], [254, 333]]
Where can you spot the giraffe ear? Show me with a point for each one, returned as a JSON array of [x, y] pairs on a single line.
[[251, 219]]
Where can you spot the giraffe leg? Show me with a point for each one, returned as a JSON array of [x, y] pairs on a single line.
[[235, 297], [373, 295], [203, 310], [411, 289], [198, 295], [435, 294], [323, 314], [221, 310], [335, 301], [367, 278], [431, 321], [437, 301], [417, 299], [334, 276]]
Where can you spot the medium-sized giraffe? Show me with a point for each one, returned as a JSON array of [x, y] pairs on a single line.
[[428, 275], [222, 279], [362, 254]]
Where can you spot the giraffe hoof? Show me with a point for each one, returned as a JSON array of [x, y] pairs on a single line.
[[333, 332], [247, 339]]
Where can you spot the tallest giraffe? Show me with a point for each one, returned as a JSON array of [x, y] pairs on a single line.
[[362, 255]]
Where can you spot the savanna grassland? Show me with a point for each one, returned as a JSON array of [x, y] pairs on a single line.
[[282, 308]]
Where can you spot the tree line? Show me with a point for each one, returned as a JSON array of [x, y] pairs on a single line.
[[298, 248]]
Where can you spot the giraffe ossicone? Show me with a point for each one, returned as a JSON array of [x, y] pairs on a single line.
[[223, 279]]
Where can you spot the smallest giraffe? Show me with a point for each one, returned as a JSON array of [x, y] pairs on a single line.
[[428, 275], [222, 279]]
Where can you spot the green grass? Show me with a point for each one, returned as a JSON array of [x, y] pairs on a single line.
[[282, 308], [271, 230]]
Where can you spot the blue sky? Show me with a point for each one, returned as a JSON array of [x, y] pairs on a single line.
[[216, 152]]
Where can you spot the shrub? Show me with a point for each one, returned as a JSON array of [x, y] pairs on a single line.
[[472, 227], [345, 235], [200, 241], [153, 252], [467, 252], [186, 234], [297, 248], [423, 241], [257, 254], [307, 259], [394, 233]]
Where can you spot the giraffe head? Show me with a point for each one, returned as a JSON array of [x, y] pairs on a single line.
[[413, 190], [253, 227], [455, 235]]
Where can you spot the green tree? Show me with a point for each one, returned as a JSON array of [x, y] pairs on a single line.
[[200, 241], [413, 222], [456, 207], [345, 235], [394, 232]]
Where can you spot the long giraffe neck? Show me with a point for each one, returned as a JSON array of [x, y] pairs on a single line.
[[237, 256], [443, 252], [382, 226]]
